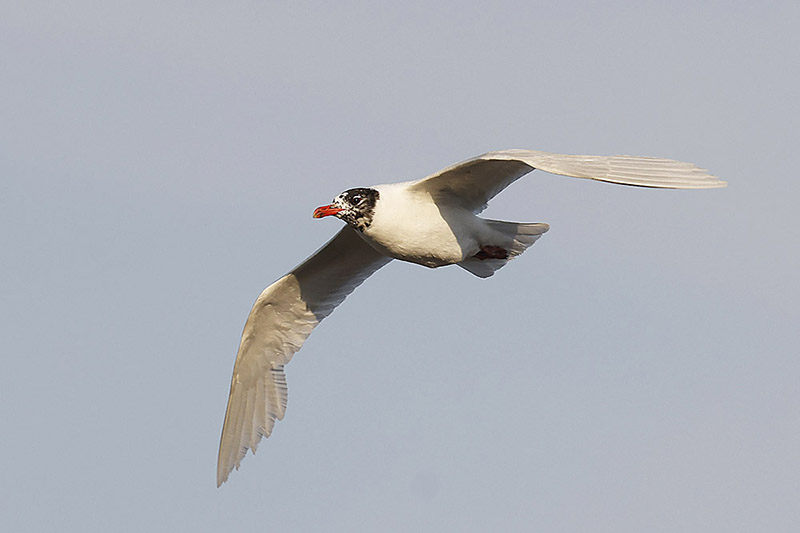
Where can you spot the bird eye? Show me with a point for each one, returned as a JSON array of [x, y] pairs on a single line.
[[357, 198]]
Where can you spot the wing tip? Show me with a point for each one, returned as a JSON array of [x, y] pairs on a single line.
[[222, 475]]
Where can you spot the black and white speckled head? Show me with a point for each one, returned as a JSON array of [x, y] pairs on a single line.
[[354, 206]]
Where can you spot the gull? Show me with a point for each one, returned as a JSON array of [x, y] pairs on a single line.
[[432, 222]]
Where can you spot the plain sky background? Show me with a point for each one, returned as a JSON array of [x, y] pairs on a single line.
[[636, 370]]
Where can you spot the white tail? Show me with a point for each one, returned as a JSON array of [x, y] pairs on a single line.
[[520, 236]]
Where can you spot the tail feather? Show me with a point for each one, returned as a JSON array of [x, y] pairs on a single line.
[[519, 236]]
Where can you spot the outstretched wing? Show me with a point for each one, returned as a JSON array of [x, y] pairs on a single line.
[[281, 319], [472, 183]]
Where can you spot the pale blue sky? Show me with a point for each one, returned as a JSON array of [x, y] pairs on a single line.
[[636, 370]]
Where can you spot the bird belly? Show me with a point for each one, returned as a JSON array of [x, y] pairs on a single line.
[[417, 249], [425, 237]]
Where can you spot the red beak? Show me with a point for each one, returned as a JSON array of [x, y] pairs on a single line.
[[326, 210]]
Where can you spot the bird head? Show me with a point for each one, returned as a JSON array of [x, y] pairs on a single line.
[[354, 206]]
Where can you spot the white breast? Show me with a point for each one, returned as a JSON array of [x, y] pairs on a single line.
[[409, 226]]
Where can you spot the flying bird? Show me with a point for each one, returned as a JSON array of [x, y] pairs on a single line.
[[432, 222]]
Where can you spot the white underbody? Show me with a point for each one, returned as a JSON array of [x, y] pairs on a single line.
[[412, 227]]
